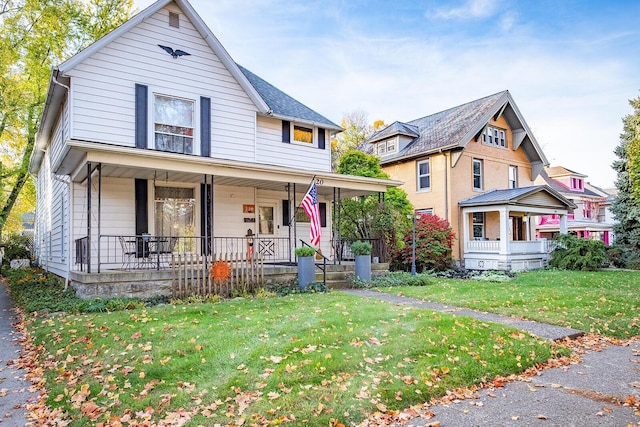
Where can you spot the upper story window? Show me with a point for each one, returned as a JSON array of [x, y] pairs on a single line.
[[424, 175], [513, 177], [173, 124], [577, 184], [302, 134], [426, 211], [477, 174], [386, 147], [494, 136]]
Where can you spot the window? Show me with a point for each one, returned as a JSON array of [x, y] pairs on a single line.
[[477, 174], [386, 147], [424, 175], [302, 134], [427, 211], [266, 218], [174, 211], [494, 136], [173, 121], [478, 225], [576, 184], [513, 177]]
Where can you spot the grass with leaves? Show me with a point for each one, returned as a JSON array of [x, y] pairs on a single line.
[[601, 302], [302, 359]]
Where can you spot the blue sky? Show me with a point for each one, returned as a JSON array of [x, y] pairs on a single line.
[[570, 65]]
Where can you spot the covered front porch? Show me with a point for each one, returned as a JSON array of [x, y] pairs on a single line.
[[136, 210], [498, 228]]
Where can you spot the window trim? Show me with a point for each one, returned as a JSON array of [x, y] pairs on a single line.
[[195, 100], [314, 135], [492, 133], [393, 142], [515, 177], [480, 175], [426, 161], [481, 224]]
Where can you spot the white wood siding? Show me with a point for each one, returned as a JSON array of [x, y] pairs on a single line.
[[103, 87], [52, 221], [271, 150], [60, 133]]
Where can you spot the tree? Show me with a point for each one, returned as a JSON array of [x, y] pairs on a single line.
[[34, 35], [625, 207], [356, 131], [373, 217]]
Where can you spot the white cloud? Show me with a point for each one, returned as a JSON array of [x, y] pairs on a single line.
[[472, 9]]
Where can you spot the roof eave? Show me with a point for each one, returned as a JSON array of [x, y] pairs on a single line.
[[331, 126], [408, 157]]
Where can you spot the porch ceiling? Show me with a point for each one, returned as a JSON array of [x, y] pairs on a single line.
[[128, 162]]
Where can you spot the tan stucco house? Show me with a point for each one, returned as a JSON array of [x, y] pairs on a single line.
[[475, 165]]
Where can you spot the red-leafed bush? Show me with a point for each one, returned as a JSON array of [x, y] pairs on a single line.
[[434, 238]]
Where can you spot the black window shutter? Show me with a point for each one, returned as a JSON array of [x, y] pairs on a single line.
[[285, 213], [206, 216], [205, 126], [142, 116], [323, 214], [321, 141], [142, 217], [286, 131]]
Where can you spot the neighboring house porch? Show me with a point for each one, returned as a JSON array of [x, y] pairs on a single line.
[[497, 227]]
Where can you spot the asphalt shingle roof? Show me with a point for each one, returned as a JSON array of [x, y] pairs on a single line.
[[564, 189], [444, 128], [282, 104], [499, 196]]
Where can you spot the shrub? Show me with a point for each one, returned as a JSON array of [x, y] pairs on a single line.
[[622, 256], [573, 253], [361, 248], [393, 279], [16, 247], [284, 289], [434, 238], [303, 251]]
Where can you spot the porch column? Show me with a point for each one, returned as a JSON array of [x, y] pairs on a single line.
[[465, 230], [563, 223], [504, 230]]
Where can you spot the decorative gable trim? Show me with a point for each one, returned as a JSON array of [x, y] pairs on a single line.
[[518, 137]]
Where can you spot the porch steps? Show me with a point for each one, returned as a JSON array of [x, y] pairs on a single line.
[[340, 276]]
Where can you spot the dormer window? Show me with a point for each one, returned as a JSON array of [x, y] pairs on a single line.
[[577, 184], [386, 147], [494, 136]]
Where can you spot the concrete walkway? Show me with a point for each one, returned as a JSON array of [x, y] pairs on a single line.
[[588, 394], [14, 388], [550, 332]]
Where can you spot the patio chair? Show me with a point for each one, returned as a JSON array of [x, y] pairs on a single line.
[[129, 254]]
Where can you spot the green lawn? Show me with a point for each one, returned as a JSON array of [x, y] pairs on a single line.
[[602, 302], [302, 359]]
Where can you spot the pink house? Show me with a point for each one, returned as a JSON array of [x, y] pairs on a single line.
[[590, 220]]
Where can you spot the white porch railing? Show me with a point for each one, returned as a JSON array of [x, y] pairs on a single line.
[[515, 246]]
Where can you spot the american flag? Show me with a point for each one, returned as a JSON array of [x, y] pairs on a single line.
[[312, 208]]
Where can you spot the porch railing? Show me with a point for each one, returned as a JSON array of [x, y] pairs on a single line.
[[515, 246], [344, 253], [148, 252]]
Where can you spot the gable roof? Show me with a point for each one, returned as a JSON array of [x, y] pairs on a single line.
[[455, 127], [558, 171], [513, 196], [261, 93], [284, 106], [559, 187], [395, 128]]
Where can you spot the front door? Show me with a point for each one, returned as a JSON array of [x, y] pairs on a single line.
[[517, 229]]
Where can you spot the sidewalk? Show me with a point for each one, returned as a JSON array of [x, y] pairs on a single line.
[[14, 388], [589, 394]]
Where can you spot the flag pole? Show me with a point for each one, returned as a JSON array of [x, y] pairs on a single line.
[[295, 210]]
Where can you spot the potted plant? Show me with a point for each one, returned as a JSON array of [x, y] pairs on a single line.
[[362, 252], [306, 265]]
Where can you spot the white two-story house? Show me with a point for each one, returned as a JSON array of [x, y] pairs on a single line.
[[153, 140]]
